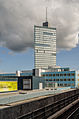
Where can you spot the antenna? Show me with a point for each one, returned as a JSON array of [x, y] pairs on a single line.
[[45, 24], [46, 14]]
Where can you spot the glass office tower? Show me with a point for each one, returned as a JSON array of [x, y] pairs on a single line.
[[44, 46]]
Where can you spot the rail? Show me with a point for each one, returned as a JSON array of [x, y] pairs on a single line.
[[48, 110]]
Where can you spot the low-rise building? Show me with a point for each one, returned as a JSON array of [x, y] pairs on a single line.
[[24, 80], [54, 78], [63, 77]]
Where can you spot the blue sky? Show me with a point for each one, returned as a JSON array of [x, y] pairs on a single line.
[[17, 20], [10, 62], [69, 58]]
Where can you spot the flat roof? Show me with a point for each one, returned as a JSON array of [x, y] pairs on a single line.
[[45, 27]]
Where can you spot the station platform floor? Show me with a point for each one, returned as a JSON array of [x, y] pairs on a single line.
[[12, 97]]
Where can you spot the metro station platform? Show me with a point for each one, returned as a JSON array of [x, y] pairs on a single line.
[[11, 97]]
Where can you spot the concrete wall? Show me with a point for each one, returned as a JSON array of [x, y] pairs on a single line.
[[13, 112]]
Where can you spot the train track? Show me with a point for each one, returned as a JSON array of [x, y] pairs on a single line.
[[74, 114], [48, 110]]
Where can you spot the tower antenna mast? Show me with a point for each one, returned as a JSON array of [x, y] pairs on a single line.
[[46, 14], [45, 24]]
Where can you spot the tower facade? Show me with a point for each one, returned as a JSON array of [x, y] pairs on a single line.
[[44, 46]]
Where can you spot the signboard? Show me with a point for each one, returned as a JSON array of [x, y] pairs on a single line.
[[8, 86]]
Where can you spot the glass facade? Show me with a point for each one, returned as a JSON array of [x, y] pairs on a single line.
[[44, 47]]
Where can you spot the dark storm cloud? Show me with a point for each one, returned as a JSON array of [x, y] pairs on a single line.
[[17, 18]]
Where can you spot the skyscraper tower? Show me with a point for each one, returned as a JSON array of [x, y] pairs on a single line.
[[44, 46]]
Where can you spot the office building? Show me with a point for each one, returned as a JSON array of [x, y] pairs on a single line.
[[63, 77], [44, 46]]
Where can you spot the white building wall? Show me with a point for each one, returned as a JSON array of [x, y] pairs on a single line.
[[45, 47]]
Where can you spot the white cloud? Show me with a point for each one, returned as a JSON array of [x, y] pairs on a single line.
[[17, 18]]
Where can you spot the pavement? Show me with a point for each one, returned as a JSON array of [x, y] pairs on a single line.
[[12, 97]]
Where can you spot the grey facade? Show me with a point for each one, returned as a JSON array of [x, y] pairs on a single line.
[[44, 47]]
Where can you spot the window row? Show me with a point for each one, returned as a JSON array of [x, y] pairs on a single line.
[[65, 85], [59, 74], [59, 79]]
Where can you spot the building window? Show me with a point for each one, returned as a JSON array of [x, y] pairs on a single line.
[[72, 84], [37, 51], [61, 79], [57, 74], [73, 74], [61, 84], [68, 79], [44, 51], [46, 79], [53, 74], [57, 79], [58, 84], [54, 79], [64, 74], [72, 79], [43, 74], [64, 79], [50, 79], [65, 85], [68, 74], [69, 84], [61, 74], [46, 74], [50, 74]]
